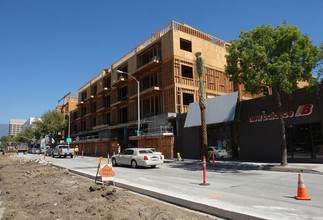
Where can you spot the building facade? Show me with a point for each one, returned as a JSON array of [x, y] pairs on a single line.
[[15, 126], [163, 67]]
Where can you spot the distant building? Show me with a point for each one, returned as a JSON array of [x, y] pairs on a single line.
[[15, 126], [28, 123]]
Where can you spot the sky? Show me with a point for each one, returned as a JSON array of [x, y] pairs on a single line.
[[49, 48]]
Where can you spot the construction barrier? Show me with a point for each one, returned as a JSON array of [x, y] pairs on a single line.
[[301, 191], [204, 173]]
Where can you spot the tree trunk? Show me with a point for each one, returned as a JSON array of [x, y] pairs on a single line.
[[282, 128], [202, 103]]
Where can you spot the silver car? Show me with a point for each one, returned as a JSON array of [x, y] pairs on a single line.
[[137, 157]]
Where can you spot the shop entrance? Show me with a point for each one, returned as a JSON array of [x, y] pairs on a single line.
[[304, 141]]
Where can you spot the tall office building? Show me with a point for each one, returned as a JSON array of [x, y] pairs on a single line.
[[15, 126]]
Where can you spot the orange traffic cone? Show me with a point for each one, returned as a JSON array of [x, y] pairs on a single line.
[[301, 191]]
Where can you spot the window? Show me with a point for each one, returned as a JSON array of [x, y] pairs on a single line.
[[123, 93], [107, 82], [186, 45], [84, 94], [187, 98], [187, 71], [93, 107], [106, 101]]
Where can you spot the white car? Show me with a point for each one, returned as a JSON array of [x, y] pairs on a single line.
[[157, 152], [218, 152], [137, 157]]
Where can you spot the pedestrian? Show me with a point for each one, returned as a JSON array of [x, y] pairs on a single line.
[[119, 148], [77, 150]]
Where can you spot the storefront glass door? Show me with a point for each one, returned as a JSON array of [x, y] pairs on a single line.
[[304, 141]]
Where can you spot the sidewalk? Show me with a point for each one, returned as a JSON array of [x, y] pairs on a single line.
[[239, 165]]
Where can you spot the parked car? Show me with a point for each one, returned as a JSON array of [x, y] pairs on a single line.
[[30, 150], [44, 149], [36, 150], [49, 151], [157, 152], [137, 157], [218, 152], [63, 150]]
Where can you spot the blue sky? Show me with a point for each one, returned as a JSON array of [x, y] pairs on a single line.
[[51, 47]]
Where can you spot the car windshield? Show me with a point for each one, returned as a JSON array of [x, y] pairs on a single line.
[[145, 152], [63, 147]]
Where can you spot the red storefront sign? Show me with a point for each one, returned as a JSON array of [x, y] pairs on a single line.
[[302, 110]]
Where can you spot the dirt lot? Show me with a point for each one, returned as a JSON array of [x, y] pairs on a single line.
[[34, 191]]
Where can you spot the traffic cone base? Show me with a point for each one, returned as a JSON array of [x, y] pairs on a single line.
[[301, 191]]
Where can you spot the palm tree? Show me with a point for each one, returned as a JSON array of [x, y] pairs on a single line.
[[202, 101]]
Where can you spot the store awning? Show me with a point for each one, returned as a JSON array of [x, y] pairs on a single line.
[[218, 110]]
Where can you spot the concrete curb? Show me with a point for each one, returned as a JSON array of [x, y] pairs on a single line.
[[248, 166], [175, 200]]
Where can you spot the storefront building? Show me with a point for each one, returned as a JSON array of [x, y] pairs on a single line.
[[259, 128]]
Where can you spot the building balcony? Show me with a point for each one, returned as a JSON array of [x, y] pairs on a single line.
[[119, 103], [155, 62], [104, 90], [120, 82]]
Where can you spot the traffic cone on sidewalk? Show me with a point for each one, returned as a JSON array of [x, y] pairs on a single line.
[[301, 191]]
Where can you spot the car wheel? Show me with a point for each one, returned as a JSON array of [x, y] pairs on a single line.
[[153, 166], [52, 155], [114, 162], [71, 156], [133, 164]]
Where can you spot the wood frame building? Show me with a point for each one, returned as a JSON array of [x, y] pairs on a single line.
[[164, 65]]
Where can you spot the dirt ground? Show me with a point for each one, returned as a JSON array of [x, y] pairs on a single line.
[[34, 191]]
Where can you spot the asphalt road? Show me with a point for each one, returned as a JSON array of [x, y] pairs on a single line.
[[231, 193]]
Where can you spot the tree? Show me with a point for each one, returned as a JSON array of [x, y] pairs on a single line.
[[50, 123], [320, 62], [26, 135], [202, 101], [272, 57]]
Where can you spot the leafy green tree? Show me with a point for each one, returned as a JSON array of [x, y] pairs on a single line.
[[4, 140], [50, 123], [26, 135], [320, 63], [272, 57], [202, 102]]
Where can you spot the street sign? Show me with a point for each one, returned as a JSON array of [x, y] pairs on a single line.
[[106, 172], [68, 140], [34, 139], [139, 131]]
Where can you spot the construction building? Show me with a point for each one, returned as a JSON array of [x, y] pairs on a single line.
[[163, 68], [67, 104]]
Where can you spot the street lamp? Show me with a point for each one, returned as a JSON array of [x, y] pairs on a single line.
[[138, 91]]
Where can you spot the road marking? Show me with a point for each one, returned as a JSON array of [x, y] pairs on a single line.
[[216, 196]]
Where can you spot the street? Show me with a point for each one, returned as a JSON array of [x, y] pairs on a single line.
[[262, 194]]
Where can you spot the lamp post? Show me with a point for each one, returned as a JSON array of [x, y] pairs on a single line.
[[138, 91]]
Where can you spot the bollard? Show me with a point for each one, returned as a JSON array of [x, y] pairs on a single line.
[[44, 154], [213, 161], [204, 173], [82, 154], [108, 158]]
